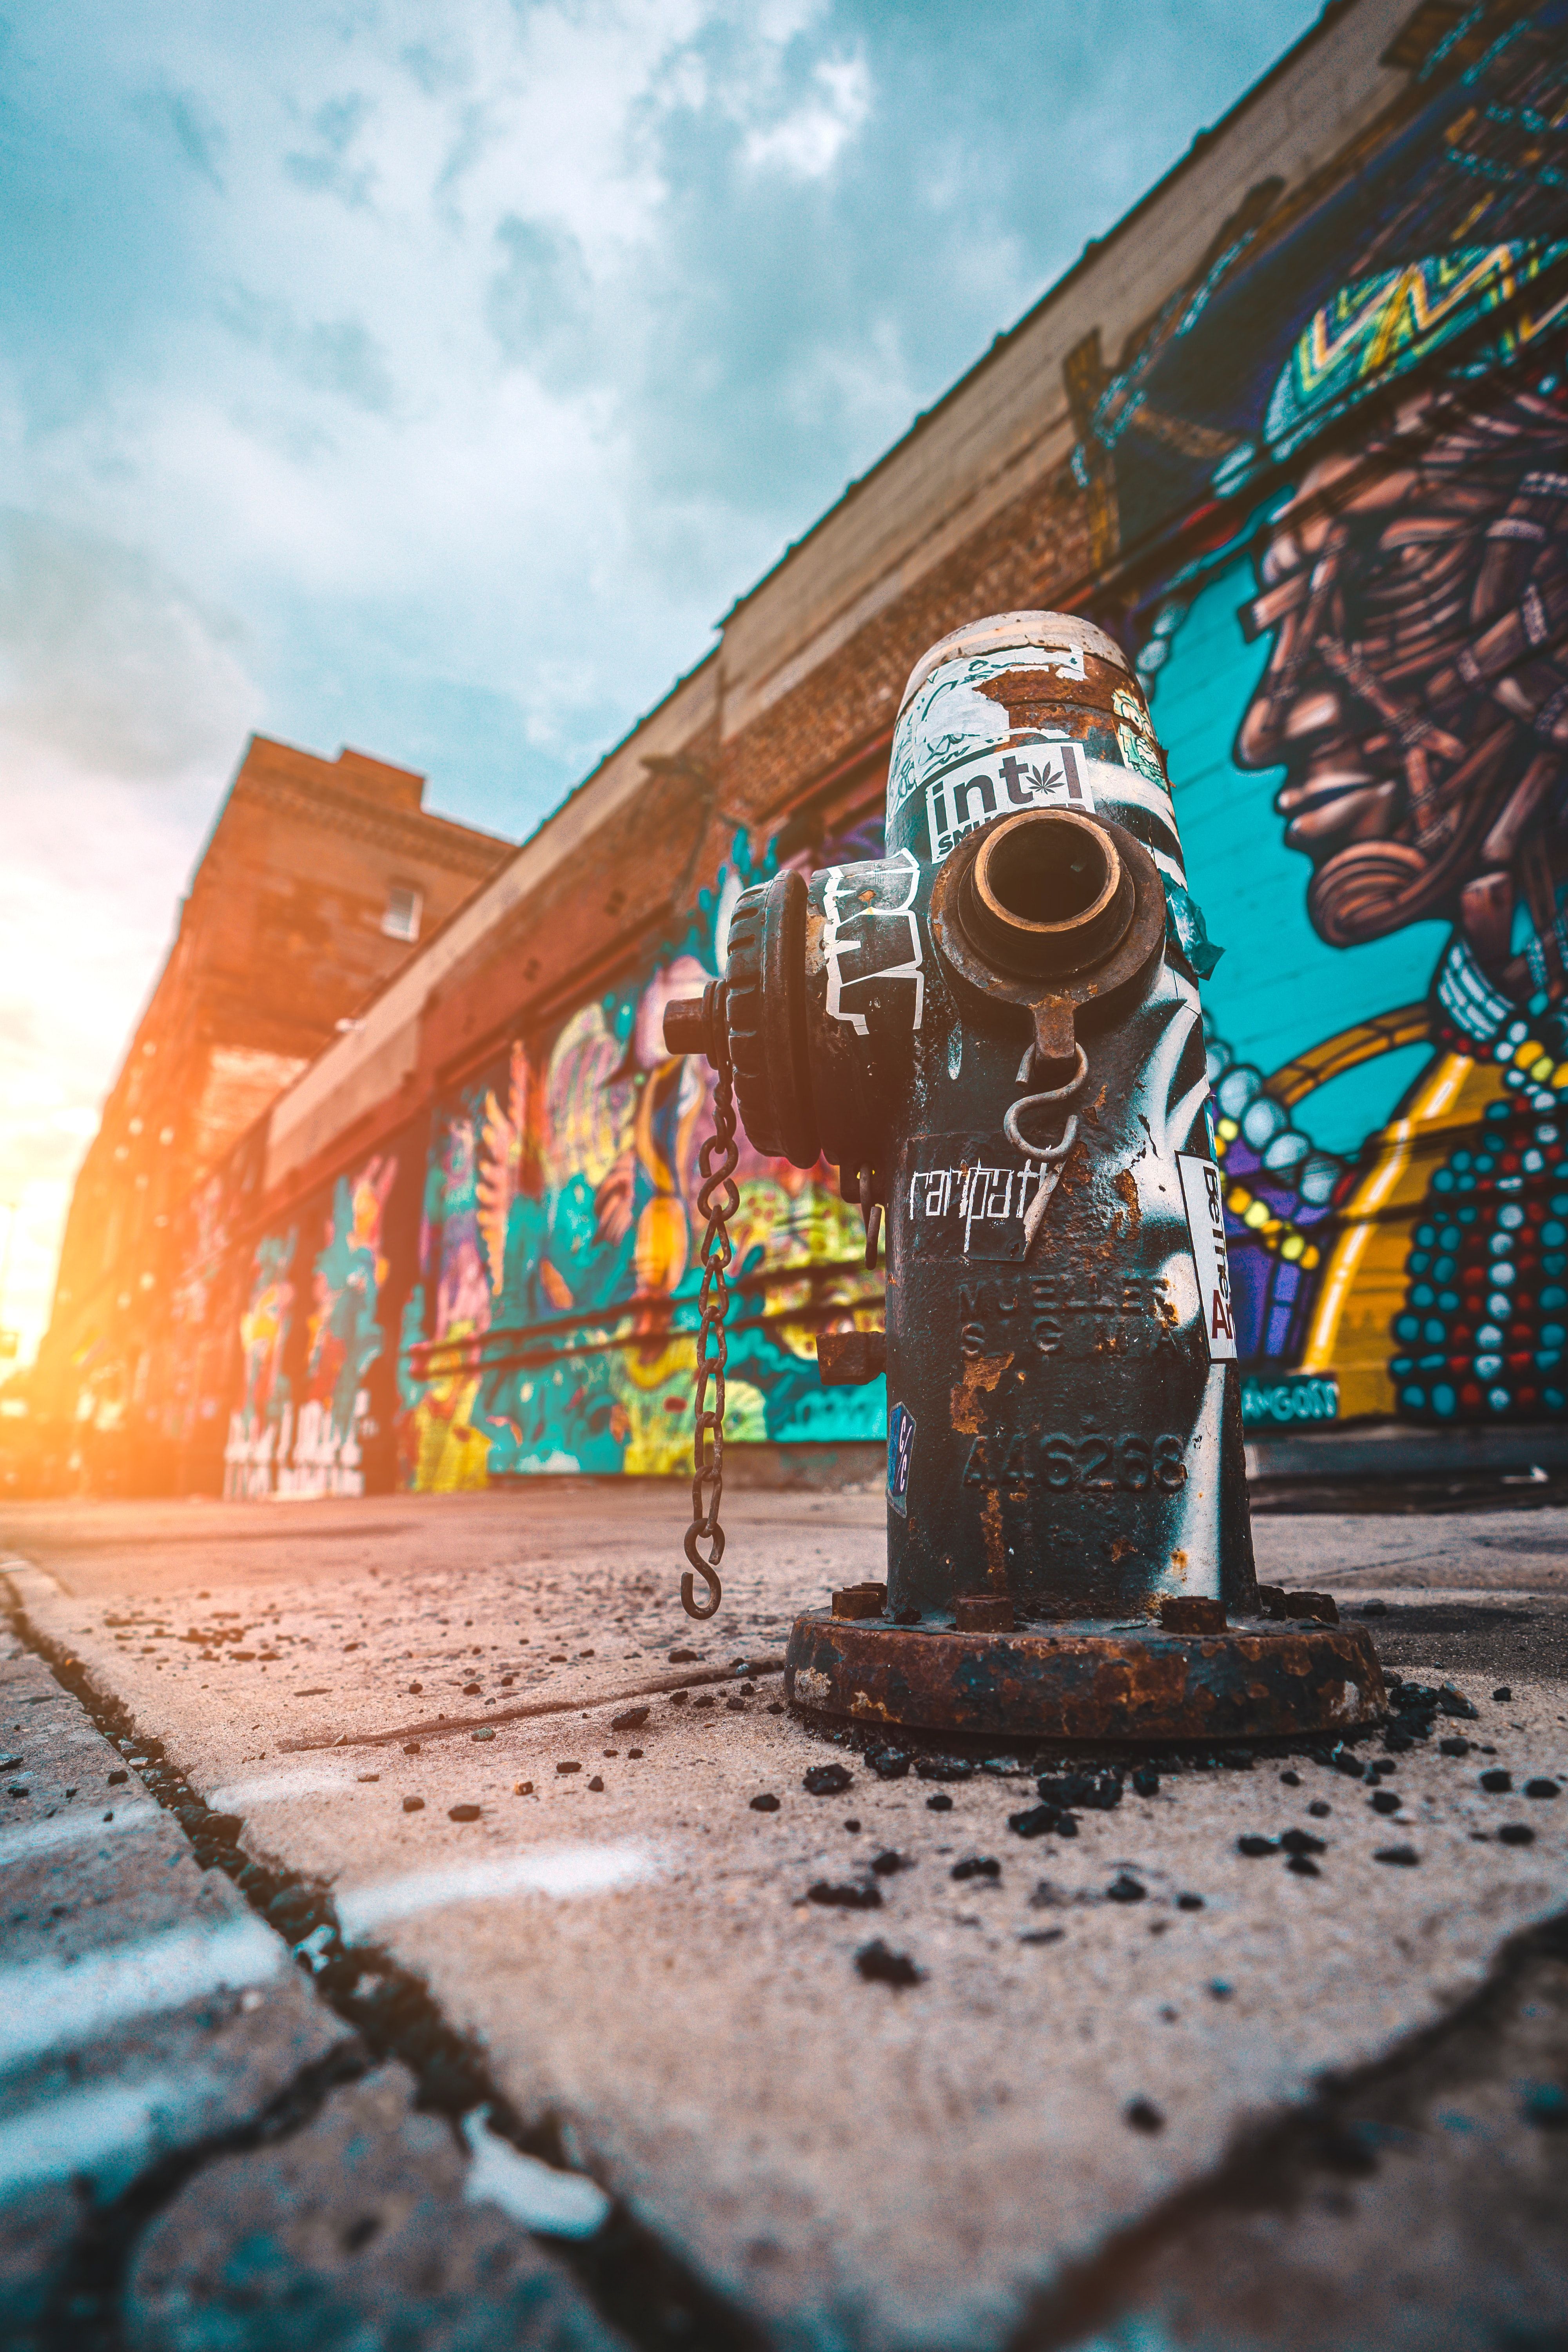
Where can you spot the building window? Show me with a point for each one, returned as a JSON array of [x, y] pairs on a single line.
[[404, 908]]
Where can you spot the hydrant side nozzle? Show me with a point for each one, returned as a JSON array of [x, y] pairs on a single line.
[[688, 1028]]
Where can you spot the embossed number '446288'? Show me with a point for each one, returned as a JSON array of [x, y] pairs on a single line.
[[1092, 1461]]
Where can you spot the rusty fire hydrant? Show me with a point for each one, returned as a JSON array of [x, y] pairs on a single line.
[[993, 1031]]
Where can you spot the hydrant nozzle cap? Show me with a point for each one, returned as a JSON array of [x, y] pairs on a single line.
[[1047, 892], [1066, 631]]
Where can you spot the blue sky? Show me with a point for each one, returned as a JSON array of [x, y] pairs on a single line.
[[431, 378]]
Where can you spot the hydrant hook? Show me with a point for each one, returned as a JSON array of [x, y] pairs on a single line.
[[1055, 1154]]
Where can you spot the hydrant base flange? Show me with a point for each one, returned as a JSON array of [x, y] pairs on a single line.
[[1256, 1680]]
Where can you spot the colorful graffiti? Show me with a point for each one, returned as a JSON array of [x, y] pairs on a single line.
[[1362, 676], [1334, 465], [261, 1428], [552, 1327], [306, 1409]]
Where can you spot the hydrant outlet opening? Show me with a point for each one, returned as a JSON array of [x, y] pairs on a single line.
[[1048, 891]]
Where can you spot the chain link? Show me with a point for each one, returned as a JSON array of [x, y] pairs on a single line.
[[717, 1201]]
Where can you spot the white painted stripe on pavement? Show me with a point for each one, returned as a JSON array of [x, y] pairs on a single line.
[[75, 1828], [269, 1786], [553, 2204], [561, 1871], [79, 2133], [45, 2003]]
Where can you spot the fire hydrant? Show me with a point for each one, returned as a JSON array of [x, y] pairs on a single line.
[[993, 1031]]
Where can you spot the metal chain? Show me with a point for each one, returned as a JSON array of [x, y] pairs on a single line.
[[717, 1201]]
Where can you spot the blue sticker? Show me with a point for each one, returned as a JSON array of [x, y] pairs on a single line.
[[900, 1445]]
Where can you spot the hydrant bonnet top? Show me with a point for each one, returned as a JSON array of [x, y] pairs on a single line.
[[1046, 631], [1024, 710]]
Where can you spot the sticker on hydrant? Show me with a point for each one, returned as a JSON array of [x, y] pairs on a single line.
[[1206, 1222], [900, 1445]]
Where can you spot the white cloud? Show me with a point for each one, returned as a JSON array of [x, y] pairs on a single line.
[[808, 141]]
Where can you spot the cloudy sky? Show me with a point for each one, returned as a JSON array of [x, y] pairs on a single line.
[[430, 376]]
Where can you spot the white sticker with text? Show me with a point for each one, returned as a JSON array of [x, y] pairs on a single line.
[[1206, 1222], [1041, 775]]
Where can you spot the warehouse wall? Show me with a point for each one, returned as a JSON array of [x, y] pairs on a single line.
[[1297, 432]]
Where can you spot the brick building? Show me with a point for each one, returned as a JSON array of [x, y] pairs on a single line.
[[318, 882], [460, 1246]]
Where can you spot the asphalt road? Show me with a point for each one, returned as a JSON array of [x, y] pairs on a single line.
[[365, 1984]]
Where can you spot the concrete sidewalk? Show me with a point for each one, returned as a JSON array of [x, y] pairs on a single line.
[[863, 2067]]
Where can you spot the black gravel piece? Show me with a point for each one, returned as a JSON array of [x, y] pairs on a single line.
[[1145, 1782], [978, 1865], [631, 1718], [1541, 1789], [1256, 1847], [1290, 1780], [1403, 1857], [1497, 1782], [843, 1898], [878, 1965], [597, 1784], [462, 1812], [1453, 1702], [939, 1804], [1502, 1693], [1319, 1809], [889, 1764], [1043, 1820], [1125, 1889], [1189, 1902], [1302, 1842], [1516, 1834], [1303, 1865], [414, 1805], [1383, 1800], [1144, 2116], [1346, 1761], [827, 1780], [766, 1803], [1095, 1792], [1453, 1747], [888, 1863], [944, 1768], [568, 1767], [112, 1779]]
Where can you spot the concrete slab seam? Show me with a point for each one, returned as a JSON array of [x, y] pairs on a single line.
[[636, 2281]]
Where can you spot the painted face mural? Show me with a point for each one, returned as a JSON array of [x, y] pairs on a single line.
[[1417, 693], [1388, 1025]]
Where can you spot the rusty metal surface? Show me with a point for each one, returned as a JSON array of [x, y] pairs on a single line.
[[1255, 1680], [851, 1359]]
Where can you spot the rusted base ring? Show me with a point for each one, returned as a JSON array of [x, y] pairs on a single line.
[[1256, 1680]]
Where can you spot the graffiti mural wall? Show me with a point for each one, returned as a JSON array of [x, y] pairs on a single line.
[[1326, 492], [552, 1328], [1361, 676], [317, 1401]]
